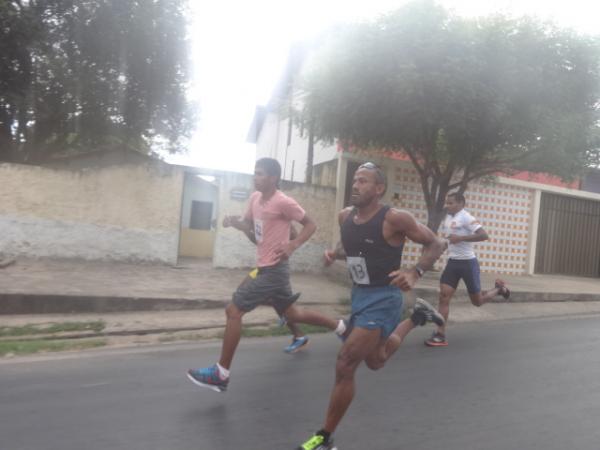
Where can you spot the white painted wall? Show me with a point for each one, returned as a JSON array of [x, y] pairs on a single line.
[[273, 143], [267, 143]]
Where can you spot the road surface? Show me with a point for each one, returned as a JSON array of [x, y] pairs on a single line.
[[520, 385]]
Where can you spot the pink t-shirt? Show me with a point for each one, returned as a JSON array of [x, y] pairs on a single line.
[[272, 220]]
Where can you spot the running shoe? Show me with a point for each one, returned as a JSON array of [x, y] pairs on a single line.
[[317, 442], [208, 377], [502, 289], [347, 332], [297, 344], [437, 339], [423, 312], [282, 319]]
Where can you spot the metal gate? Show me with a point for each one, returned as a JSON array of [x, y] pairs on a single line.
[[568, 236]]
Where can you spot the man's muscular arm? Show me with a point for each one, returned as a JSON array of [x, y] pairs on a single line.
[[403, 222], [338, 252], [250, 234], [478, 236], [307, 230]]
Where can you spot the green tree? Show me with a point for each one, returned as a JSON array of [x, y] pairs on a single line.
[[462, 98], [87, 75]]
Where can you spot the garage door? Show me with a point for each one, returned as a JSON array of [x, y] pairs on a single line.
[[568, 236]]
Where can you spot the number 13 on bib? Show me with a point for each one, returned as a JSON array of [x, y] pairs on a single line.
[[358, 269]]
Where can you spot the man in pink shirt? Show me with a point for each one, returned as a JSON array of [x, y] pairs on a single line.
[[270, 214], [299, 337]]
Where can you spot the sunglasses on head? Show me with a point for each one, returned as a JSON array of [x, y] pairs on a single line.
[[368, 165]]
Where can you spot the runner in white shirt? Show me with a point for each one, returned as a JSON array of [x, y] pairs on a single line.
[[462, 230]]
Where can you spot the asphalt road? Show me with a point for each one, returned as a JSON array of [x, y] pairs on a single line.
[[521, 385]]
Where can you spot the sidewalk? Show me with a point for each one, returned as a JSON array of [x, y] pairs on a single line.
[[186, 301], [138, 300]]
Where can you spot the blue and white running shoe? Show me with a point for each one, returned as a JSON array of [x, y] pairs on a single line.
[[208, 377], [297, 344]]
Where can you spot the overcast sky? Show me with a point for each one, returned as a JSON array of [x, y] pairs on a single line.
[[240, 48]]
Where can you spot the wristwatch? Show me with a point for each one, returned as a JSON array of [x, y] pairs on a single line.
[[419, 271]]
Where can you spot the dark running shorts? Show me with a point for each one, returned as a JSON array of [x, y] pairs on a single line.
[[465, 269], [271, 286]]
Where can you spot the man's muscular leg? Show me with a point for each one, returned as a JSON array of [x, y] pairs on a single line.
[[360, 343]]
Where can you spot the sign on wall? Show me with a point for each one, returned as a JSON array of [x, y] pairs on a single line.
[[239, 194]]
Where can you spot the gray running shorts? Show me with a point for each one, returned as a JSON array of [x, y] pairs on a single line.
[[271, 286]]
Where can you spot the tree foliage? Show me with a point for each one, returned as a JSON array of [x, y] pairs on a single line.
[[80, 75], [462, 98]]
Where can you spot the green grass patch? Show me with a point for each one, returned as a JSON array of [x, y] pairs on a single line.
[[183, 337], [51, 328], [29, 347], [346, 301], [281, 331]]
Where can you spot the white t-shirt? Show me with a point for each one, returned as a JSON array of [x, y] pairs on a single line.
[[461, 224]]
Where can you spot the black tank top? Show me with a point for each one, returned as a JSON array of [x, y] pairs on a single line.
[[370, 257]]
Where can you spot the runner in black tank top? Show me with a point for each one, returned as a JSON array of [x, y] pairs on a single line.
[[366, 241], [373, 236]]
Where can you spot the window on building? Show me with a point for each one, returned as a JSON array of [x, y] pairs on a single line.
[[201, 215]]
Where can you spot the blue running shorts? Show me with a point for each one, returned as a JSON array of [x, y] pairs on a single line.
[[376, 307]]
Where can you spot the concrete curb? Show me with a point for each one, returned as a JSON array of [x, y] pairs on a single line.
[[517, 296], [7, 262], [66, 304], [69, 304], [429, 290]]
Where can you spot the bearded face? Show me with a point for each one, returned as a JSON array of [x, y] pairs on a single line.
[[365, 187]]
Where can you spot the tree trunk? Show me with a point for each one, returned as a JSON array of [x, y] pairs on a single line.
[[434, 218], [6, 138], [311, 153], [435, 199]]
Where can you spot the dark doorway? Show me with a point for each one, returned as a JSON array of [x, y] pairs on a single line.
[[201, 215]]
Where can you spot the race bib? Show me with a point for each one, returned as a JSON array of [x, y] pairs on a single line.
[[258, 230], [358, 269]]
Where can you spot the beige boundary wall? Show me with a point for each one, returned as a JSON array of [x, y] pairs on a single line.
[[126, 212], [232, 248], [504, 211]]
